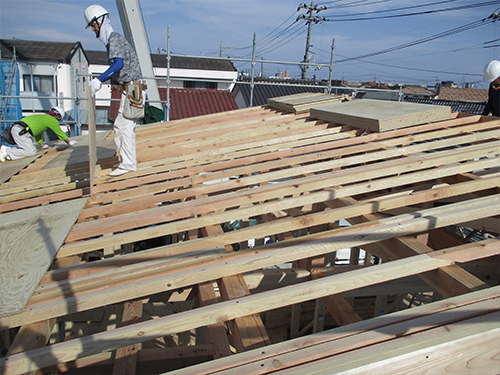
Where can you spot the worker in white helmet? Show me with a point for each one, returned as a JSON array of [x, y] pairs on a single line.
[[125, 71], [492, 75], [26, 133]]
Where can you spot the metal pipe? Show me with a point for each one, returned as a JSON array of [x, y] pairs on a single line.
[[169, 57], [252, 83]]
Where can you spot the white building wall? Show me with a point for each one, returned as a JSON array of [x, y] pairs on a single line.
[[177, 78], [36, 101]]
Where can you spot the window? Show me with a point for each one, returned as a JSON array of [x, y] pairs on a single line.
[[200, 85], [40, 83]]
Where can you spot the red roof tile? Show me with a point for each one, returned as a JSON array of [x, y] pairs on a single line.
[[469, 95], [416, 90], [187, 102]]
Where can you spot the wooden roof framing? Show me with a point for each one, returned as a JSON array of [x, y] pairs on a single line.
[[203, 289]]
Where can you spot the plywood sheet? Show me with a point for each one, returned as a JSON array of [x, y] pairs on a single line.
[[380, 116], [300, 103], [12, 167], [29, 240]]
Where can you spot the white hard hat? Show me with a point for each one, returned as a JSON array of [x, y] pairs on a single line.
[[492, 71], [94, 12], [59, 110]]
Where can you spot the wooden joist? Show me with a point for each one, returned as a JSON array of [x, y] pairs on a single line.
[[291, 181]]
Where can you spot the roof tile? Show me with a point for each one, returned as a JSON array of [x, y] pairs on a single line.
[[186, 103]]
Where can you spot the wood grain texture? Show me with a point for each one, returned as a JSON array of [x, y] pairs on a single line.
[[379, 115], [29, 240], [301, 103]]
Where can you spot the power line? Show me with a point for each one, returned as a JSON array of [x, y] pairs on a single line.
[[356, 3], [456, 30], [343, 17]]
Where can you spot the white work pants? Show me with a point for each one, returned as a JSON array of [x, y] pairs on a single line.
[[124, 129], [25, 144]]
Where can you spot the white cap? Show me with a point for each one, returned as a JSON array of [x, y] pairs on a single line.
[[492, 71]]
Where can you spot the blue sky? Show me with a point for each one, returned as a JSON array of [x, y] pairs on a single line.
[[199, 27]]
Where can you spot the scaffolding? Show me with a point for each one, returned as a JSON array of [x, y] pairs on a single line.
[[10, 108]]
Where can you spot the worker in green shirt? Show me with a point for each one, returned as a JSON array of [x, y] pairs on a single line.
[[28, 131]]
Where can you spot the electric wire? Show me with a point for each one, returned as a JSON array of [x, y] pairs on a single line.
[[345, 17], [356, 3], [291, 37], [456, 30]]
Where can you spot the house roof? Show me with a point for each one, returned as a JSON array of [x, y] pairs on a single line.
[[463, 94], [263, 92], [474, 108], [36, 51], [186, 103], [380, 95], [177, 62], [416, 90], [291, 182]]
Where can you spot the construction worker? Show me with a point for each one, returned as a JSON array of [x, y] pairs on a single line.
[[28, 131], [124, 70], [492, 75]]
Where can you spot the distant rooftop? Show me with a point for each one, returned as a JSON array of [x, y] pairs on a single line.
[[470, 95], [27, 51], [186, 103], [177, 62]]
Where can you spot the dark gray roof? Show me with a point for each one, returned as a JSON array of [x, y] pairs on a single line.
[[27, 51], [474, 108], [160, 61], [264, 92], [380, 95], [185, 62], [97, 57]]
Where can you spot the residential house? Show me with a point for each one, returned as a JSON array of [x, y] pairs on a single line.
[[185, 73], [47, 70]]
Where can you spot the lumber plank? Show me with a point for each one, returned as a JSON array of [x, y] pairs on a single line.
[[470, 345], [29, 241], [307, 349], [216, 333], [380, 115], [244, 306], [126, 357], [244, 261]]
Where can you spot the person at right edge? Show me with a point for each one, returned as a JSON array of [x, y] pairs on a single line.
[[124, 70], [492, 75]]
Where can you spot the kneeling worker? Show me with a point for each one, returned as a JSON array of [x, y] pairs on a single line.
[[28, 131]]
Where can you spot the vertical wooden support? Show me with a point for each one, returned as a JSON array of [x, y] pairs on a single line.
[[319, 316], [92, 140], [248, 332], [214, 333], [354, 258], [380, 305], [244, 244], [33, 336], [295, 323], [126, 357]]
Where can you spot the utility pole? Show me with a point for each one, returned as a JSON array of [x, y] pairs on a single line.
[[310, 17]]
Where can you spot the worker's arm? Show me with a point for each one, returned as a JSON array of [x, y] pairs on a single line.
[[112, 70]]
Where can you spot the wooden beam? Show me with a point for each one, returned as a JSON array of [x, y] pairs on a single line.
[[346, 339], [223, 311], [215, 333], [126, 357], [244, 261]]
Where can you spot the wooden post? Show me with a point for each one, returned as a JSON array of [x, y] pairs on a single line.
[[92, 140]]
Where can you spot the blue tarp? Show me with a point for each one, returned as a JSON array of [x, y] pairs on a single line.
[[10, 87]]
